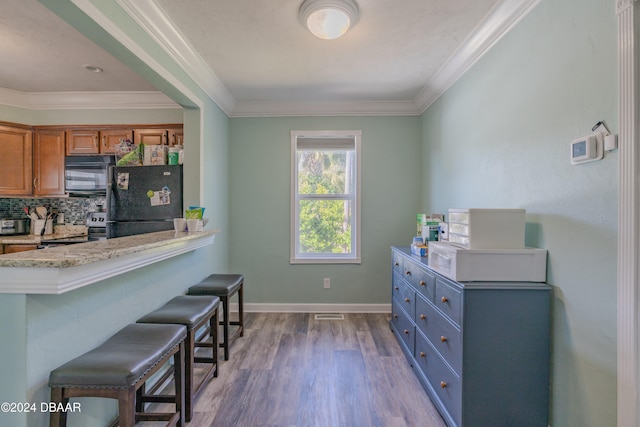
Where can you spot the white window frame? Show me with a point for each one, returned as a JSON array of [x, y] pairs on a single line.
[[354, 256]]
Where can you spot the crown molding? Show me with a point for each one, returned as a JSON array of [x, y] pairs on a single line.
[[498, 22], [323, 109], [85, 100], [153, 20], [161, 29]]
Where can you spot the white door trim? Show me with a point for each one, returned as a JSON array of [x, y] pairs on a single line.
[[628, 213]]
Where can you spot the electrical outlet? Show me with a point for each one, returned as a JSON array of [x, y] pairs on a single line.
[[327, 283]]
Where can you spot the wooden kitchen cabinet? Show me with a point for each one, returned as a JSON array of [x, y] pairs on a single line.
[[159, 136], [176, 136], [150, 136], [48, 163], [16, 161], [95, 141], [9, 249]]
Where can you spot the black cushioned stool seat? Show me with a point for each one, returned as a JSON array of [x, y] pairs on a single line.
[[224, 286], [194, 312], [118, 369]]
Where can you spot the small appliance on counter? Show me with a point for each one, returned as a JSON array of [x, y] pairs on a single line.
[[14, 226], [96, 225], [143, 199]]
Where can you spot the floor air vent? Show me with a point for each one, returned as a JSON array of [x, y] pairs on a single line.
[[329, 316]]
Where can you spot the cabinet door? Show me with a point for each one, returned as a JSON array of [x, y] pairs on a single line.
[[48, 163], [150, 136], [16, 162], [110, 138], [176, 137], [83, 142], [9, 249]]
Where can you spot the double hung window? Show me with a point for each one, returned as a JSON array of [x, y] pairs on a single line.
[[325, 199]]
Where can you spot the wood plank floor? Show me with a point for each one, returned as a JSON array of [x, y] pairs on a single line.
[[292, 370]]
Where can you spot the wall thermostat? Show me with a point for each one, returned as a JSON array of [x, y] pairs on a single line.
[[586, 149]]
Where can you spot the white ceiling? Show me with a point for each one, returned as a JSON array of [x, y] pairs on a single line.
[[396, 59]]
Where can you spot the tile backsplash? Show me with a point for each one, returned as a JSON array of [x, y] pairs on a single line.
[[74, 209]]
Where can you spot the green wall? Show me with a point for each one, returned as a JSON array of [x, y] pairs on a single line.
[[260, 205], [500, 138]]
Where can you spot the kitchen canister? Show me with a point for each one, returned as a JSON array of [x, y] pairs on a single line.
[[174, 153]]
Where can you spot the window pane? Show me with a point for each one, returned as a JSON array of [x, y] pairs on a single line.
[[324, 172], [325, 226]]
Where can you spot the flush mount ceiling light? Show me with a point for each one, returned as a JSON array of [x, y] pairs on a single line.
[[328, 19]]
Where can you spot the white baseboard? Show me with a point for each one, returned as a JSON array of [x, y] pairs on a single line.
[[312, 308]]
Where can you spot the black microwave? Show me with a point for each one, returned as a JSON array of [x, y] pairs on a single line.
[[87, 176]]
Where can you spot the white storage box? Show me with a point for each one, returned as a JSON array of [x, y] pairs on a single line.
[[487, 228], [492, 265]]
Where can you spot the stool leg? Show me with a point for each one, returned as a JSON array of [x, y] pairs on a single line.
[[225, 326], [58, 418], [179, 377], [213, 330], [188, 373], [127, 407], [240, 312]]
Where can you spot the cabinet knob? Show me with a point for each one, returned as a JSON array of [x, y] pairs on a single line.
[[423, 354], [443, 384], [397, 288], [422, 317], [406, 332], [408, 273], [396, 264], [422, 283], [395, 316], [407, 300], [443, 338], [444, 299]]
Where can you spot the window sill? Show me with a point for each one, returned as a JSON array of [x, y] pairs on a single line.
[[325, 261]]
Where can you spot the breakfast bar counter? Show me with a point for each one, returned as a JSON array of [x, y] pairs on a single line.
[[60, 302], [63, 268]]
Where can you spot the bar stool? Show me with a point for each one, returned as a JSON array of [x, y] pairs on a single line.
[[224, 286], [194, 312], [119, 368]]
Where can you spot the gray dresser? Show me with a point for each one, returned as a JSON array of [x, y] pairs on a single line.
[[480, 349]]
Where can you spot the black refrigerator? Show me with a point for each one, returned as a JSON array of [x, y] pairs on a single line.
[[143, 199]]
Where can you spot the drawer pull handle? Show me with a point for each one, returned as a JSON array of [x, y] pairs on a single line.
[[422, 283], [408, 273], [444, 299], [406, 332], [443, 384], [423, 354], [407, 300], [443, 338], [422, 317]]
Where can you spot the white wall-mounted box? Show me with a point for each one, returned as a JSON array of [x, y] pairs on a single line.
[[499, 265], [475, 228]]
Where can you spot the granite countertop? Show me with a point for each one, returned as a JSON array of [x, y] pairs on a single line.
[[90, 252], [60, 232]]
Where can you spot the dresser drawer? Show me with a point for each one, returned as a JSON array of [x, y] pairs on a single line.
[[443, 335], [448, 298], [404, 326], [421, 279], [446, 384], [396, 262], [405, 295]]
